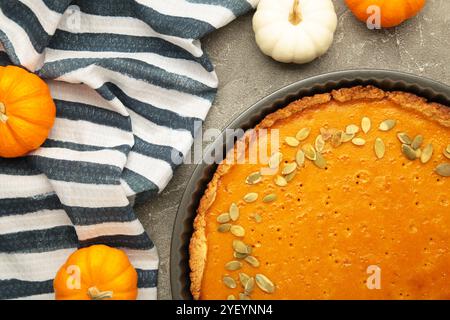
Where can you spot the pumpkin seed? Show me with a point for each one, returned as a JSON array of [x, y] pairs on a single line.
[[233, 265], [443, 169], [418, 153], [240, 256], [223, 218], [427, 153], [358, 141], [290, 176], [448, 149], [404, 138], [251, 260], [366, 124], [289, 168], [243, 278], [447, 154], [280, 181], [231, 297], [224, 227], [253, 178], [275, 160], [417, 142], [320, 161], [234, 211], [345, 137], [326, 133], [229, 282], [264, 283], [270, 198], [249, 286], [319, 143], [310, 152], [291, 141], [303, 134], [240, 247], [300, 158], [243, 296], [409, 152], [251, 197], [352, 129], [237, 231], [336, 139], [257, 218], [387, 125], [380, 148]]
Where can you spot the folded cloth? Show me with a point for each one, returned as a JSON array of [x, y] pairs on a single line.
[[130, 81]]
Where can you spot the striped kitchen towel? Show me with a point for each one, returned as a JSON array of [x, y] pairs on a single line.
[[130, 81]]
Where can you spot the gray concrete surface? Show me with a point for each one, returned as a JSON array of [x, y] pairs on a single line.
[[420, 46]]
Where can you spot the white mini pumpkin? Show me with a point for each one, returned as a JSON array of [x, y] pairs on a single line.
[[296, 31]]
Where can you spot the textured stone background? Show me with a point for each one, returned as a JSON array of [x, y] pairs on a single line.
[[420, 46]]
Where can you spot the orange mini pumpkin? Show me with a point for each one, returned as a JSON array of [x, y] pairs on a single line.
[[393, 12], [98, 272], [27, 112]]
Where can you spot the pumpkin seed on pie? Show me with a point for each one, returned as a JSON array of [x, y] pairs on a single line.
[[326, 133], [249, 286], [233, 265], [404, 138], [319, 143], [447, 152], [240, 256], [253, 178], [229, 282], [289, 168], [264, 283], [231, 297], [427, 153], [417, 142], [243, 278], [251, 260], [237, 231], [358, 141], [380, 148], [280, 181], [251, 197], [234, 211], [310, 152], [352, 129], [443, 169], [270, 198], [240, 247], [387, 125], [225, 227], [300, 158], [346, 137], [223, 218], [302, 134], [366, 124], [409, 152], [320, 161], [292, 142], [337, 138]]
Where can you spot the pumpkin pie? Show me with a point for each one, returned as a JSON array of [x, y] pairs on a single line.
[[353, 203]]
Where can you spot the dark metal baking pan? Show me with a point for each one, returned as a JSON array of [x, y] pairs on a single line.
[[387, 80]]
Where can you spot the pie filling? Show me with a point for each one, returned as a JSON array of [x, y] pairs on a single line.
[[356, 206]]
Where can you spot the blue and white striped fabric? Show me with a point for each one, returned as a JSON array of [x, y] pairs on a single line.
[[129, 79]]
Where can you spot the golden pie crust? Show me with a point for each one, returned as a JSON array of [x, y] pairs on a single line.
[[356, 96]]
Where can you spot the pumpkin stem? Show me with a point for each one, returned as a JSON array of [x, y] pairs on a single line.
[[96, 294], [3, 116], [295, 16]]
